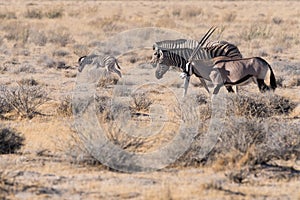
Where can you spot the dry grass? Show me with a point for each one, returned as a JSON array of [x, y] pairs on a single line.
[[257, 154]]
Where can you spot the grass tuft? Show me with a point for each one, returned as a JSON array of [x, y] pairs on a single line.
[[10, 140]]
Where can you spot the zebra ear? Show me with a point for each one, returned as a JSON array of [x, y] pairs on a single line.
[[80, 60]]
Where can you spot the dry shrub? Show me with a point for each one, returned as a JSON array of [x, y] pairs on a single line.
[[25, 99], [165, 22], [80, 50], [260, 105], [38, 37], [108, 25], [277, 20], [54, 13], [28, 81], [251, 142], [256, 31], [107, 79], [188, 11], [254, 131], [60, 53], [33, 14], [8, 15], [5, 107], [229, 17], [75, 150], [24, 68], [289, 73], [17, 31], [10, 140], [65, 107], [141, 101], [61, 36]]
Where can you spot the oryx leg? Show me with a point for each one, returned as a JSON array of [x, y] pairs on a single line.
[[229, 89], [236, 89], [217, 88], [204, 84], [216, 78], [262, 86], [186, 84]]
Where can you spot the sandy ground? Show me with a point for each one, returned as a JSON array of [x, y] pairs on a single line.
[[36, 36]]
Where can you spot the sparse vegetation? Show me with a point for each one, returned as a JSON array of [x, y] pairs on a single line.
[[33, 14], [141, 101], [60, 36], [10, 140], [256, 31], [40, 43], [65, 107], [54, 13], [25, 99], [253, 132]]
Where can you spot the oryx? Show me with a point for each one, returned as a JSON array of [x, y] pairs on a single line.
[[224, 71]]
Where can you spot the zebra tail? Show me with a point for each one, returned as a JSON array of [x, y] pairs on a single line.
[[272, 79]]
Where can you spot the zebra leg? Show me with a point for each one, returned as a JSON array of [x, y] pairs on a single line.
[[237, 89], [229, 89], [204, 84], [186, 84], [262, 86]]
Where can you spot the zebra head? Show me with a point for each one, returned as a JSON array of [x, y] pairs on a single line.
[[158, 59], [161, 70], [157, 56], [81, 62]]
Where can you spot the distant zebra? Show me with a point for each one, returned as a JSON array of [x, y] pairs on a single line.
[[109, 62]]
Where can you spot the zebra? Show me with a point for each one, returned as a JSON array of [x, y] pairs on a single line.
[[109, 62], [165, 58], [211, 49], [183, 43], [227, 71], [216, 47]]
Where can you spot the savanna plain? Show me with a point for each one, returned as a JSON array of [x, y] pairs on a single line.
[[257, 154]]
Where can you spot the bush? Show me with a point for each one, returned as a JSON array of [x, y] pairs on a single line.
[[61, 37], [261, 105], [17, 31], [25, 99], [10, 141], [38, 37], [33, 14], [256, 31], [54, 13], [65, 107], [254, 131], [5, 107], [141, 101], [8, 15]]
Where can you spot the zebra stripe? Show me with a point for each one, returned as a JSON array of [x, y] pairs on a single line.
[[109, 62], [175, 44]]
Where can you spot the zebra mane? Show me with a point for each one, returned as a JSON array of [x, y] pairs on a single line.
[[175, 44]]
